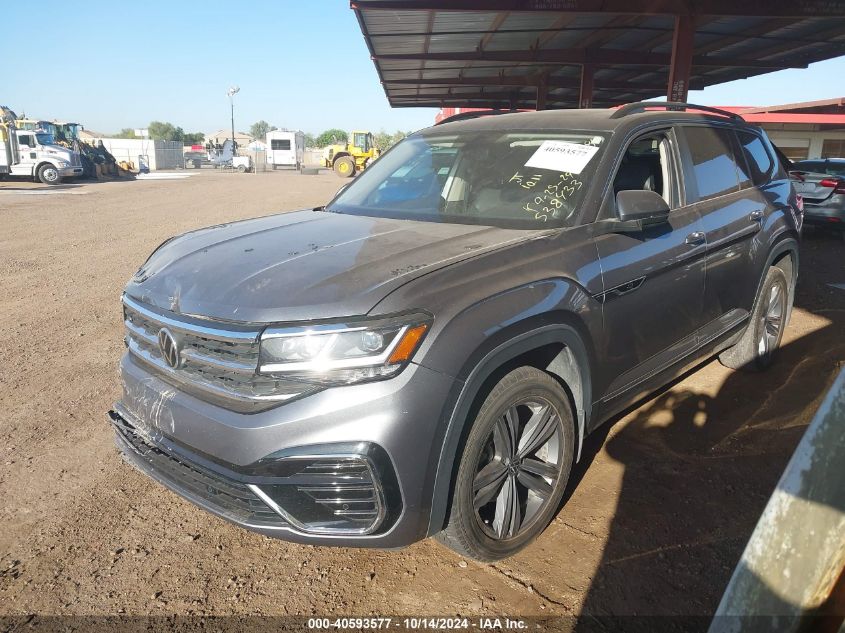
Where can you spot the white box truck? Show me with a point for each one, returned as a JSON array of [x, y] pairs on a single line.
[[285, 148]]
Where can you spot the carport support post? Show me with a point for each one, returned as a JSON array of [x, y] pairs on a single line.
[[585, 99], [681, 64], [542, 91]]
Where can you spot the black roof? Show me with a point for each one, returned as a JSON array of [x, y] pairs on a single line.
[[494, 53]]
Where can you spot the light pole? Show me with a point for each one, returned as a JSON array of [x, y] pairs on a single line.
[[232, 92]]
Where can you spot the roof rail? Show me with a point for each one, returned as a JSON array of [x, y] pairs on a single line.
[[474, 114], [642, 106]]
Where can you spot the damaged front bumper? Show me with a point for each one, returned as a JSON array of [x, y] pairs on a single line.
[[342, 490], [349, 466]]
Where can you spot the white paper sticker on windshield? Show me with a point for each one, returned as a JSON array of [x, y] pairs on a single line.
[[562, 156]]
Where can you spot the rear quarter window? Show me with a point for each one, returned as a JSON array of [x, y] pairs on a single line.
[[757, 158], [711, 153]]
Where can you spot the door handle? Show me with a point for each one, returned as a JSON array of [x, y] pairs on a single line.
[[694, 239], [756, 216]]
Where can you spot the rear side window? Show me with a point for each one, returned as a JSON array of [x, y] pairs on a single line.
[[757, 158], [713, 164]]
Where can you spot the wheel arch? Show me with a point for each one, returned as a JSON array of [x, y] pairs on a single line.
[[339, 155], [37, 167], [557, 348]]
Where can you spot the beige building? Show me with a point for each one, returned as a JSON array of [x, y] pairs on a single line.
[[222, 135]]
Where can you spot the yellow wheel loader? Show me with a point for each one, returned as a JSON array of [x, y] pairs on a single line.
[[353, 156]]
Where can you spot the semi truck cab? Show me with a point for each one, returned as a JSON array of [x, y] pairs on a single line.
[[34, 153]]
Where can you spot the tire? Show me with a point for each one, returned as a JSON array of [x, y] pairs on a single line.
[[49, 174], [756, 348], [344, 167], [524, 402], [242, 169]]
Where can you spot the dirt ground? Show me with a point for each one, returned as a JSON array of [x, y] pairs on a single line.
[[658, 512]]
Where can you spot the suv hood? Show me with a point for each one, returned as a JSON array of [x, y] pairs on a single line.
[[301, 265]]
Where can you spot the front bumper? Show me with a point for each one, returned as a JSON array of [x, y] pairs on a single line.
[[69, 172], [218, 459]]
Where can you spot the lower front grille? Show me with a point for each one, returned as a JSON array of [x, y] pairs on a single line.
[[337, 494], [230, 498]]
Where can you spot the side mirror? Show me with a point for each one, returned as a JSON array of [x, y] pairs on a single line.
[[642, 206]]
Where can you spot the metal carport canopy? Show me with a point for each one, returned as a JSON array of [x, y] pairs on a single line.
[[588, 53]]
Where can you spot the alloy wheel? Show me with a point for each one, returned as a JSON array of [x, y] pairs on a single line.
[[517, 468], [772, 321]]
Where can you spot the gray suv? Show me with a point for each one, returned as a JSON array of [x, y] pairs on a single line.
[[425, 354]]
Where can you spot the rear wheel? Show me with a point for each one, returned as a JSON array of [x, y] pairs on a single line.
[[49, 174], [514, 467], [756, 348], [344, 167]]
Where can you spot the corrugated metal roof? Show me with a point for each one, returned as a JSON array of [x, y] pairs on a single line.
[[445, 53]]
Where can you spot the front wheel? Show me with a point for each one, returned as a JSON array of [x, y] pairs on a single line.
[[49, 174], [242, 169], [514, 468], [755, 350], [344, 167]]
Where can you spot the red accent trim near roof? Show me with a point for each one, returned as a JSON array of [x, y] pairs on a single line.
[[785, 117]]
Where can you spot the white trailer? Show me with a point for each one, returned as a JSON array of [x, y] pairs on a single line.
[[285, 148]]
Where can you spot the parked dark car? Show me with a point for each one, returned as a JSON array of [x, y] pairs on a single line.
[[425, 354], [821, 183], [196, 159]]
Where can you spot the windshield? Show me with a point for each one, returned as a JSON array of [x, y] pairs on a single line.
[[45, 139], [529, 180]]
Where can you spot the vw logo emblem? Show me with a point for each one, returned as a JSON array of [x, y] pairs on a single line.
[[169, 348]]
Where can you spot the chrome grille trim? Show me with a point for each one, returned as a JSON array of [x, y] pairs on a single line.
[[231, 336], [215, 364]]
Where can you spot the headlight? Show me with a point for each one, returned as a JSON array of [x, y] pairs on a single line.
[[334, 353], [62, 163]]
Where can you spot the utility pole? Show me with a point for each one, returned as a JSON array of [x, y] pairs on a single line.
[[232, 92]]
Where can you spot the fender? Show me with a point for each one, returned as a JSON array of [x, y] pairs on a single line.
[[571, 365], [40, 164]]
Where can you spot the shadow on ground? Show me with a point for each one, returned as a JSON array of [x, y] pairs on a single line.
[[699, 468]]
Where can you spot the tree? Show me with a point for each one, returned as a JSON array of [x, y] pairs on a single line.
[[398, 135], [259, 129], [382, 140], [310, 140], [385, 140], [160, 131], [330, 137], [193, 138]]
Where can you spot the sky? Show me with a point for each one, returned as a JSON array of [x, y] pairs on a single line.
[[300, 64]]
